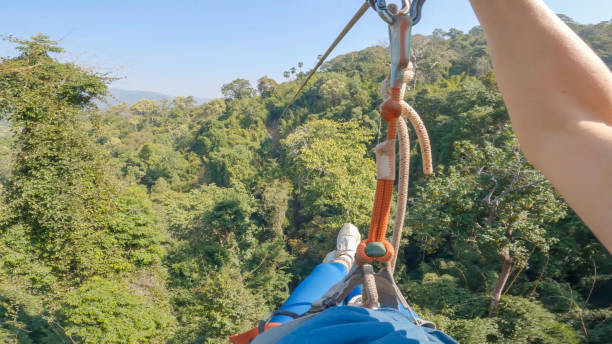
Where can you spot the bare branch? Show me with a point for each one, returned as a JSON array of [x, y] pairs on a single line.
[[490, 194], [536, 182], [517, 177], [594, 281]]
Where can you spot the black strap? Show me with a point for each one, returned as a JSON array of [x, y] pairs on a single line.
[[266, 319]]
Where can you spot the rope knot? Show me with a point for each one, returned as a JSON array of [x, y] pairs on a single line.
[[391, 109], [369, 251]]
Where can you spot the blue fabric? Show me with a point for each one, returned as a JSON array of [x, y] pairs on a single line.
[[321, 279], [347, 324], [409, 312], [357, 291]]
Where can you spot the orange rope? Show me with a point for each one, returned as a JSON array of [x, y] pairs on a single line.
[[391, 110], [376, 211], [393, 107], [392, 129], [379, 234]]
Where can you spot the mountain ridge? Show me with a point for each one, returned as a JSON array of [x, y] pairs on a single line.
[[119, 95]]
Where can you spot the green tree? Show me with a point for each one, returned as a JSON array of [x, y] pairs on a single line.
[[67, 217], [59, 190], [275, 203], [334, 181], [492, 201], [264, 84], [135, 227], [221, 306], [227, 187], [224, 268], [103, 311], [238, 89], [5, 155]]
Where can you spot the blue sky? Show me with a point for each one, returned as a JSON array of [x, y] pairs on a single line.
[[190, 47]]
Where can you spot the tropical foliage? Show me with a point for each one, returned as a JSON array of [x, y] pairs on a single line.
[[178, 222]]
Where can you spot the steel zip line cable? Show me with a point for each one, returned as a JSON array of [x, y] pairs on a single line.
[[347, 28]]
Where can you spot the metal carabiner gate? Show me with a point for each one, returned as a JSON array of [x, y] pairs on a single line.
[[413, 7], [416, 9], [380, 6]]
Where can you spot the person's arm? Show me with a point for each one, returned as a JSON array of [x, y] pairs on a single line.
[[559, 96]]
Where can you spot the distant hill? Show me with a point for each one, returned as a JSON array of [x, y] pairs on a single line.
[[118, 96]]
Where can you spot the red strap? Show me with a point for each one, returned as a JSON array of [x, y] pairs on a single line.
[[246, 337]]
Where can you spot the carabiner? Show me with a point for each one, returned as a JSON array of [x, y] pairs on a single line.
[[415, 11], [415, 8], [380, 6]]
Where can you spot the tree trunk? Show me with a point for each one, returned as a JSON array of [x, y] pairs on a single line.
[[498, 288]]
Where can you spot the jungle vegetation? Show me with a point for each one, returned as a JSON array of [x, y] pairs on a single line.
[[173, 222]]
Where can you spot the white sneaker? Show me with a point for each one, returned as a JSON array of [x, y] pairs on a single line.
[[346, 245]]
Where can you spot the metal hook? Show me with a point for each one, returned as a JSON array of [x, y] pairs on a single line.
[[416, 10], [413, 7], [380, 6], [406, 6]]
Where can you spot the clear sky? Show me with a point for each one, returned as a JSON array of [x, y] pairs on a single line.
[[192, 47]]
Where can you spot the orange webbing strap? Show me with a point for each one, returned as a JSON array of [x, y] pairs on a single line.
[[376, 247], [246, 337], [380, 215]]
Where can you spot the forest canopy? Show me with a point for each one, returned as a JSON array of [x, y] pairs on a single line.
[[176, 222]]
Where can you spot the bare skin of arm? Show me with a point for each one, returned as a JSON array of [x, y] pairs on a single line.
[[559, 96]]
